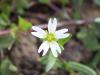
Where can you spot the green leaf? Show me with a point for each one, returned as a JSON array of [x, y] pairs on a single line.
[[24, 25], [21, 5], [6, 8], [89, 39], [51, 62], [96, 60], [82, 34], [85, 70], [44, 1], [5, 67], [6, 41], [4, 21]]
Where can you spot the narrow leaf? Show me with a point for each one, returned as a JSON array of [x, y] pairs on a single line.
[[85, 70]]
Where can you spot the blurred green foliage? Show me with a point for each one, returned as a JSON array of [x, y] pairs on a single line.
[[90, 37], [97, 2], [96, 60], [24, 25], [21, 5], [4, 21], [44, 1], [7, 6], [64, 2], [6, 42], [7, 68]]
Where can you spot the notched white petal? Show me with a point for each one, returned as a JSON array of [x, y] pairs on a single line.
[[61, 36], [55, 21], [37, 34], [38, 29], [53, 49], [42, 46], [49, 24], [46, 49], [54, 25], [62, 31], [57, 47]]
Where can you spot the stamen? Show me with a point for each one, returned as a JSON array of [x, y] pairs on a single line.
[[50, 37]]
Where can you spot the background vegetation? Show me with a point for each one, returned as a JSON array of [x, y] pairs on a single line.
[[18, 48]]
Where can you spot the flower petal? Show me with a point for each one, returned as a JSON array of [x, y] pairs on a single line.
[[46, 48], [38, 29], [57, 47], [52, 24], [61, 36], [38, 34], [42, 47], [53, 49], [62, 31], [49, 24]]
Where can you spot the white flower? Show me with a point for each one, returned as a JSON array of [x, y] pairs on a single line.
[[50, 37]]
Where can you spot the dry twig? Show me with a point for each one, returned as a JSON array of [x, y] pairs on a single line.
[[60, 24]]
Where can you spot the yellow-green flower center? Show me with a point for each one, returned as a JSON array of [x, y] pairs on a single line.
[[50, 37]]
